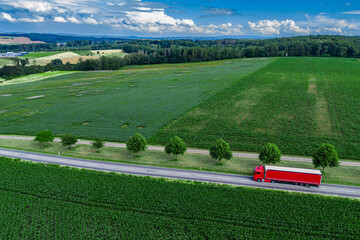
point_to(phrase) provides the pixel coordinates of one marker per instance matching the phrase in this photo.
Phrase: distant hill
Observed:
(59, 38)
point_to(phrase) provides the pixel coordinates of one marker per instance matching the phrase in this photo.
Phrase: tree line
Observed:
(325, 156)
(183, 51)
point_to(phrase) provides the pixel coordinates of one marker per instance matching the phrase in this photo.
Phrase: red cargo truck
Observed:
(286, 174)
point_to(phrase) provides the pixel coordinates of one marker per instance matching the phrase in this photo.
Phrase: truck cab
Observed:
(259, 173)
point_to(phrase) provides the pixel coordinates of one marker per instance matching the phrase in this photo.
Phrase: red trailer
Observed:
(286, 174)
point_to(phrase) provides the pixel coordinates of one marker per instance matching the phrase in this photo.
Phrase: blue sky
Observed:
(166, 18)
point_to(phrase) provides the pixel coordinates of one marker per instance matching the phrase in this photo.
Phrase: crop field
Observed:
(42, 201)
(297, 103)
(115, 104)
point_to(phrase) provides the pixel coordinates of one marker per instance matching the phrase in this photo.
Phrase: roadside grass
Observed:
(297, 103)
(238, 165)
(116, 104)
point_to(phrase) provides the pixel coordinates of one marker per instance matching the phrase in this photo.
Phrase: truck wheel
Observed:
(259, 180)
(307, 185)
(272, 181)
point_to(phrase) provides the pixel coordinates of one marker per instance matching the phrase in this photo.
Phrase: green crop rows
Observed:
(115, 104)
(39, 201)
(297, 103)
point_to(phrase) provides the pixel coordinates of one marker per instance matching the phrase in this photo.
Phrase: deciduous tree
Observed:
(175, 146)
(270, 154)
(220, 150)
(326, 156)
(44, 137)
(136, 144)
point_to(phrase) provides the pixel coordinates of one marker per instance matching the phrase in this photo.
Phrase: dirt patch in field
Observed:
(3, 111)
(81, 84)
(246, 100)
(312, 85)
(6, 95)
(322, 114)
(18, 40)
(35, 97)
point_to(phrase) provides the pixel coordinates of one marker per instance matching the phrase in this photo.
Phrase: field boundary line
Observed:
(189, 150)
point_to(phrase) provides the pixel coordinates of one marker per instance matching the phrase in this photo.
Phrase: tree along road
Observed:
(202, 176)
(189, 150)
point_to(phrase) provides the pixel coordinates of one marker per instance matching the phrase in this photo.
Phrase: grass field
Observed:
(35, 77)
(5, 61)
(42, 201)
(115, 104)
(40, 54)
(297, 103)
(347, 175)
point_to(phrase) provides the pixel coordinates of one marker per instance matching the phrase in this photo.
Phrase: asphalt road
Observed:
(232, 179)
(190, 150)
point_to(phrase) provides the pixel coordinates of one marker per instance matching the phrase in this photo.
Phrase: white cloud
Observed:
(32, 6)
(60, 20)
(7, 17)
(335, 30)
(90, 20)
(355, 12)
(73, 20)
(324, 24)
(275, 27)
(32, 20)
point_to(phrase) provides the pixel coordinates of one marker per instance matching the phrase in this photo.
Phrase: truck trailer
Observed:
(286, 174)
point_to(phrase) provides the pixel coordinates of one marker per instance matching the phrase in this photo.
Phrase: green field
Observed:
(40, 54)
(42, 201)
(6, 61)
(346, 175)
(297, 103)
(115, 104)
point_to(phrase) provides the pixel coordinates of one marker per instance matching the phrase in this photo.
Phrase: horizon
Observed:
(168, 19)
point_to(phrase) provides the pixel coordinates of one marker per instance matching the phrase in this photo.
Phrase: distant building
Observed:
(12, 54)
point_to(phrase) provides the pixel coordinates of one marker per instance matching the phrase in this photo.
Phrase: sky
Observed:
(182, 18)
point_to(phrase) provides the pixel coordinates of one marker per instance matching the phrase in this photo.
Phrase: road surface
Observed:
(232, 179)
(189, 150)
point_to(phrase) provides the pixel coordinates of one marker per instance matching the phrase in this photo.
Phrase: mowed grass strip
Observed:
(297, 103)
(42, 201)
(116, 104)
(347, 175)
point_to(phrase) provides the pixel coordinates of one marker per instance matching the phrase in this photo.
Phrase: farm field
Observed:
(346, 175)
(115, 104)
(297, 103)
(108, 53)
(5, 61)
(40, 54)
(77, 204)
(16, 40)
(43, 58)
